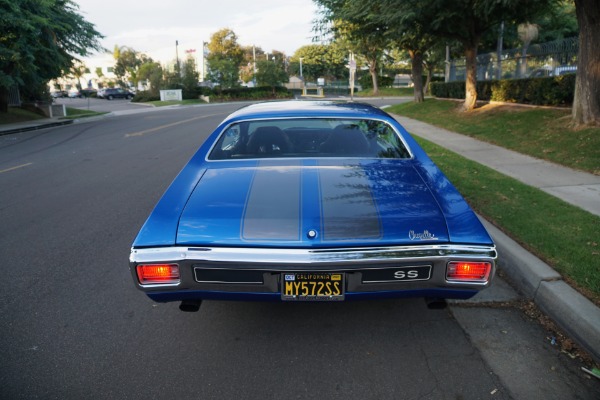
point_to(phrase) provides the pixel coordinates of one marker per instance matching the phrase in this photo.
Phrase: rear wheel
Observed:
(110, 97)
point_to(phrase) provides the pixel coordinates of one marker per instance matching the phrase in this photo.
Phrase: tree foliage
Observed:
(357, 23)
(189, 74)
(408, 30)
(127, 64)
(39, 41)
(320, 61)
(270, 73)
(467, 21)
(225, 58)
(152, 72)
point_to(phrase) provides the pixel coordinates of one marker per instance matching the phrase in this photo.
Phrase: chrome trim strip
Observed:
(231, 283)
(308, 256)
(159, 285)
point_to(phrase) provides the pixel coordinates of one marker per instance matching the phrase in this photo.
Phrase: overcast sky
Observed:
(153, 26)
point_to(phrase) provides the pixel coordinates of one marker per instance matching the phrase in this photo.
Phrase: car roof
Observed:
(304, 108)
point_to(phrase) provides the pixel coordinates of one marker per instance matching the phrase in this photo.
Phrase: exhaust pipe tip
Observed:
(190, 305)
(435, 303)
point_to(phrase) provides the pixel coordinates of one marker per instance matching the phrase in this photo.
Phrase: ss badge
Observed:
(406, 274)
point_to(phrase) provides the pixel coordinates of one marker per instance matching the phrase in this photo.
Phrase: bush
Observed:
(547, 91)
(196, 92)
(144, 96)
(257, 93)
(366, 81)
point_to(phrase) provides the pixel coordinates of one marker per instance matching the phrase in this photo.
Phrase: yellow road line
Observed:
(142, 133)
(13, 168)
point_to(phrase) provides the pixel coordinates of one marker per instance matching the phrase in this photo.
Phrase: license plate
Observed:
(312, 286)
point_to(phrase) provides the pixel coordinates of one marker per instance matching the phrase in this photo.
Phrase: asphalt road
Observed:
(74, 327)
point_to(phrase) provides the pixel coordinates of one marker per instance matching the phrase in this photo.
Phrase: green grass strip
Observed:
(383, 92)
(76, 113)
(16, 115)
(175, 102)
(564, 236)
(539, 132)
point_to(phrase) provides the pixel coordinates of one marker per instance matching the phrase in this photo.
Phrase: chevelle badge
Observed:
(425, 235)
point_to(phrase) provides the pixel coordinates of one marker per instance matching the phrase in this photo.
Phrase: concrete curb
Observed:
(34, 127)
(574, 313)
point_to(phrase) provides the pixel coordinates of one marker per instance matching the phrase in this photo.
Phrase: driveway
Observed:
(100, 105)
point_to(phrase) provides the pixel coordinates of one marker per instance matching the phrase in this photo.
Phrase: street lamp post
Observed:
(301, 58)
(177, 56)
(204, 54)
(254, 65)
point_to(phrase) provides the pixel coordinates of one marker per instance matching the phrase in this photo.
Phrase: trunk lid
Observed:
(311, 203)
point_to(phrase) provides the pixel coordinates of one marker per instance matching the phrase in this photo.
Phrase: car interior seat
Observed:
(346, 140)
(268, 140)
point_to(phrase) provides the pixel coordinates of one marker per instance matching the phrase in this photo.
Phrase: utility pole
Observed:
(177, 57)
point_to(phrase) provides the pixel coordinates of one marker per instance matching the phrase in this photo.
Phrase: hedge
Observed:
(547, 91)
(366, 81)
(258, 93)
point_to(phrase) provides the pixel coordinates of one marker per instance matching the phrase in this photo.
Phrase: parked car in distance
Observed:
(59, 94)
(117, 93)
(549, 71)
(87, 93)
(311, 201)
(565, 69)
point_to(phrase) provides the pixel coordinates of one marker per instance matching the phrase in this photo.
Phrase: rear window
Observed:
(318, 137)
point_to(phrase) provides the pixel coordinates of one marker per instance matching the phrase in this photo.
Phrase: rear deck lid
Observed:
(311, 203)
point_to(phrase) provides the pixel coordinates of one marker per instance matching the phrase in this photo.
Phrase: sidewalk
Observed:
(573, 312)
(574, 187)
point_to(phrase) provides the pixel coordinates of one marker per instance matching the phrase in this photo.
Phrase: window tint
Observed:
(316, 137)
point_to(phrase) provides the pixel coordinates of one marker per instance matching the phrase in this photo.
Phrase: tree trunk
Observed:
(416, 58)
(428, 81)
(586, 104)
(471, 78)
(373, 71)
(3, 99)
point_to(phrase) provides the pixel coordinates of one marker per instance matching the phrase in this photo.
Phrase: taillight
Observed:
(468, 271)
(149, 274)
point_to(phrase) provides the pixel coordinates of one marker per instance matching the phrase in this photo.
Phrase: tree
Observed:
(39, 41)
(586, 104)
(360, 27)
(127, 64)
(77, 71)
(225, 58)
(558, 22)
(320, 61)
(408, 30)
(251, 55)
(270, 73)
(152, 72)
(190, 74)
(468, 20)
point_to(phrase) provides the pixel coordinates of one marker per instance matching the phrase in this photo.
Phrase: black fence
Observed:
(546, 59)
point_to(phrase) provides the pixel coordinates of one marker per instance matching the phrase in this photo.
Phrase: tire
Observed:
(110, 97)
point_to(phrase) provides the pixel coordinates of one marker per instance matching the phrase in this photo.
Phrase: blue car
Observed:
(311, 201)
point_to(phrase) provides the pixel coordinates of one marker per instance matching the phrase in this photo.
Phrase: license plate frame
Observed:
(313, 286)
